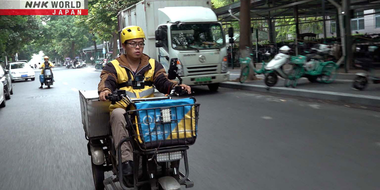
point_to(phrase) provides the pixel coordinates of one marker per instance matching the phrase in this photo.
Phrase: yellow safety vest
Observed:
(122, 77)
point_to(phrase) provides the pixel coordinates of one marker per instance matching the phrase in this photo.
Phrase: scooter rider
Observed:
(44, 64)
(127, 70)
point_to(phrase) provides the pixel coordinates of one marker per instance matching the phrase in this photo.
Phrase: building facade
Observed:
(367, 21)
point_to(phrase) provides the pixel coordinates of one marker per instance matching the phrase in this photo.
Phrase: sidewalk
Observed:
(340, 90)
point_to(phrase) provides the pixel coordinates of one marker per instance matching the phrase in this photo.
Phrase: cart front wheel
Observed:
(271, 79)
(98, 175)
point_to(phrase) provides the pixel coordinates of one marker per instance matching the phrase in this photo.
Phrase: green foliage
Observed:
(15, 33)
(102, 17)
(287, 26)
(63, 36)
(221, 3)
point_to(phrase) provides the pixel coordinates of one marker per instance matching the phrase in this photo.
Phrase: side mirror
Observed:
(159, 34)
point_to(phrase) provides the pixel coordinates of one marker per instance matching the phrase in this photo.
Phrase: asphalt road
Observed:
(246, 140)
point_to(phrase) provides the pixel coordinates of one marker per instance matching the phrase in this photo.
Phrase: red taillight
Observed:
(225, 59)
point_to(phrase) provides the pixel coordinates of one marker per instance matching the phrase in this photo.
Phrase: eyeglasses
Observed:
(135, 44)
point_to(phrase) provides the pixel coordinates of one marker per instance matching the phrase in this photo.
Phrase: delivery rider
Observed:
(136, 73)
(46, 64)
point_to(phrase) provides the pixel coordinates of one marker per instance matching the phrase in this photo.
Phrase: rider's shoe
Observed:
(128, 168)
(40, 86)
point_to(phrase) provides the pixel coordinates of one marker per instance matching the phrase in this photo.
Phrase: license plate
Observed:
(24, 76)
(203, 79)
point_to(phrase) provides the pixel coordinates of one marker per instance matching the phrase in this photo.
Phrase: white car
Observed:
(5, 78)
(2, 92)
(21, 71)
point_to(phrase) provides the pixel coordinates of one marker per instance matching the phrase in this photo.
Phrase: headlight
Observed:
(224, 65)
(176, 65)
(169, 156)
(180, 70)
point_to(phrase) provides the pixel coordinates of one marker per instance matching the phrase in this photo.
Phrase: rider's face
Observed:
(134, 48)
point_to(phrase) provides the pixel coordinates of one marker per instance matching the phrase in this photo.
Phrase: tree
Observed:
(245, 43)
(102, 19)
(63, 36)
(15, 33)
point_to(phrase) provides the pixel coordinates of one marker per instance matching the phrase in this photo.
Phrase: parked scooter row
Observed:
(312, 66)
(76, 64)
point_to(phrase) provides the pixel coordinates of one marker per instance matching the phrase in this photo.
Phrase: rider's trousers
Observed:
(119, 132)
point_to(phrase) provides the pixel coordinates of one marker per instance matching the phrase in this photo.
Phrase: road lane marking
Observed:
(65, 83)
(74, 89)
(267, 117)
(315, 106)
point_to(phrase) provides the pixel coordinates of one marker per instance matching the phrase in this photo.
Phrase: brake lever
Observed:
(178, 91)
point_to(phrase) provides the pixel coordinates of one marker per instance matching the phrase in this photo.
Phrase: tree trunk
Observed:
(245, 43)
(72, 51)
(114, 45)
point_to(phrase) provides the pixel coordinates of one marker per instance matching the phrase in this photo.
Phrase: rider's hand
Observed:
(186, 87)
(103, 95)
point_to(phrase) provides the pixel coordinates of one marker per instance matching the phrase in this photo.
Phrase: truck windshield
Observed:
(197, 36)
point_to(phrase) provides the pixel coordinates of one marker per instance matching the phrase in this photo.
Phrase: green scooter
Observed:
(314, 70)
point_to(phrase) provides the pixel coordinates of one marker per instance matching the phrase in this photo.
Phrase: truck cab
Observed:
(185, 37)
(196, 51)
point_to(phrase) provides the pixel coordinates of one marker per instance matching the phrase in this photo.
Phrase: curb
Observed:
(372, 101)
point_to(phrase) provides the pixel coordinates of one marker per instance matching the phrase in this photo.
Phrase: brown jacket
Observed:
(109, 75)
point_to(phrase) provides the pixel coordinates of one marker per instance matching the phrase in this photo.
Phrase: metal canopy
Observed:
(265, 9)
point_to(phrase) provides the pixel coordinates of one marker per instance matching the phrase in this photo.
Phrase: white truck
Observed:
(184, 36)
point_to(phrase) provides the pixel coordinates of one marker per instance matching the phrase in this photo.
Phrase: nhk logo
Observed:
(54, 4)
(47, 7)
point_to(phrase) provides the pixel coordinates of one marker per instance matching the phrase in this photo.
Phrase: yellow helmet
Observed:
(131, 32)
(46, 57)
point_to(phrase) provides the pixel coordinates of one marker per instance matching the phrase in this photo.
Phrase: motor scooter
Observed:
(312, 66)
(276, 65)
(161, 130)
(361, 80)
(47, 77)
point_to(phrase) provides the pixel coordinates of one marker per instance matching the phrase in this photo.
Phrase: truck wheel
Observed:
(98, 175)
(360, 83)
(271, 79)
(213, 87)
